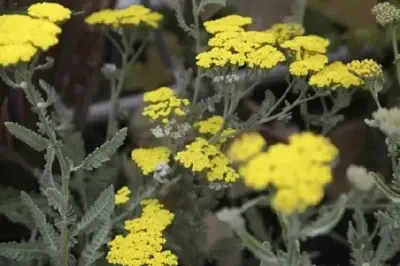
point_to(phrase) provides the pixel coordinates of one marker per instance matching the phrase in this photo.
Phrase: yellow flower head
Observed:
(365, 69)
(309, 43)
(286, 31)
(241, 42)
(228, 23)
(265, 57)
(149, 159)
(216, 57)
(122, 195)
(201, 156)
(144, 241)
(134, 15)
(21, 37)
(300, 169)
(158, 95)
(212, 125)
(308, 65)
(15, 53)
(164, 104)
(333, 76)
(246, 146)
(53, 12)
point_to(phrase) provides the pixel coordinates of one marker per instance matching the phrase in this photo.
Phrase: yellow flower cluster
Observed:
(231, 45)
(201, 156)
(286, 31)
(308, 65)
(212, 125)
(149, 159)
(307, 44)
(333, 76)
(144, 241)
(23, 36)
(365, 69)
(241, 42)
(245, 147)
(265, 57)
(134, 15)
(163, 104)
(298, 171)
(50, 11)
(228, 23)
(122, 195)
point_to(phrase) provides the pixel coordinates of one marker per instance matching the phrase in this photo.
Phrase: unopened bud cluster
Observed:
(386, 13)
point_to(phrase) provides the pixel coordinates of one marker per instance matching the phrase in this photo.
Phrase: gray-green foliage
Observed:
(59, 221)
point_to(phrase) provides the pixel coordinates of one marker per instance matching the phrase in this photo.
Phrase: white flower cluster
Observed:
(387, 120)
(171, 129)
(231, 78)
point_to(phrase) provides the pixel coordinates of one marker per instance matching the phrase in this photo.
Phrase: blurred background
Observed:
(77, 76)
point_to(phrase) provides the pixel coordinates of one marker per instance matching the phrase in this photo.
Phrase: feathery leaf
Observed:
(46, 230)
(102, 207)
(22, 251)
(27, 136)
(103, 153)
(90, 253)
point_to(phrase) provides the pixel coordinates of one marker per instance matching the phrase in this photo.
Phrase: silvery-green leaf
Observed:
(389, 193)
(327, 221)
(91, 252)
(22, 251)
(27, 136)
(102, 207)
(103, 153)
(46, 230)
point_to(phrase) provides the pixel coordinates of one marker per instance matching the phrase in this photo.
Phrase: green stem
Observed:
(65, 168)
(198, 50)
(396, 51)
(116, 87)
(227, 110)
(376, 99)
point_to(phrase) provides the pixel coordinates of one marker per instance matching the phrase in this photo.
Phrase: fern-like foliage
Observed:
(22, 251)
(102, 207)
(103, 153)
(29, 137)
(47, 231)
(90, 253)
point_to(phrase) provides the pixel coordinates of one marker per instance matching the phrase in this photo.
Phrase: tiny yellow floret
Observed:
(122, 195)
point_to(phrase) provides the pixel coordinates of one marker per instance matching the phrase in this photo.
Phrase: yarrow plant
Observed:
(202, 146)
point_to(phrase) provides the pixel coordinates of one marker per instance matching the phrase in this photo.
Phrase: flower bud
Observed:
(386, 13)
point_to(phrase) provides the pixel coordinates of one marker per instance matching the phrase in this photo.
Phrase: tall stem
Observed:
(65, 168)
(198, 49)
(396, 52)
